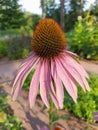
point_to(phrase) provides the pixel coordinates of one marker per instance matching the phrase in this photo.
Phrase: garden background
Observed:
(16, 30)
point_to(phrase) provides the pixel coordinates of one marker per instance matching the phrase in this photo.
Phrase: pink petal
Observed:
(17, 85)
(34, 85)
(50, 87)
(24, 68)
(26, 61)
(73, 72)
(67, 81)
(80, 71)
(76, 65)
(58, 85)
(53, 67)
(59, 91)
(43, 84)
(71, 53)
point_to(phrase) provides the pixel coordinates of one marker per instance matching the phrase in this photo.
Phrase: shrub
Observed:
(3, 48)
(19, 47)
(7, 120)
(83, 40)
(87, 102)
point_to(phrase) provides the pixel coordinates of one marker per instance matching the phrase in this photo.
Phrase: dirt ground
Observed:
(36, 118)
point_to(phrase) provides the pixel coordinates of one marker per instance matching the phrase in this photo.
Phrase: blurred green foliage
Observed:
(19, 47)
(87, 101)
(7, 120)
(31, 20)
(83, 40)
(11, 15)
(3, 48)
(27, 82)
(9, 33)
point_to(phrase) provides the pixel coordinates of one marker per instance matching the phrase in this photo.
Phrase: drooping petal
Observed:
(53, 67)
(68, 83)
(43, 84)
(71, 53)
(22, 68)
(34, 85)
(17, 85)
(73, 72)
(77, 65)
(49, 84)
(58, 85)
(59, 91)
(80, 71)
(26, 61)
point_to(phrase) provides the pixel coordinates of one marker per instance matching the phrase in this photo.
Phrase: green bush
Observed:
(87, 102)
(19, 47)
(83, 40)
(3, 48)
(7, 120)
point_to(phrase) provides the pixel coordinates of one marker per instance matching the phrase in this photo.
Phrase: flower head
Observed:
(48, 39)
(55, 67)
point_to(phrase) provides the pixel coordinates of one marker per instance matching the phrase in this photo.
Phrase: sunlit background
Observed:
(34, 5)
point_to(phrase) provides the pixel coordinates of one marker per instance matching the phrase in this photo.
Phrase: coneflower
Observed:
(55, 67)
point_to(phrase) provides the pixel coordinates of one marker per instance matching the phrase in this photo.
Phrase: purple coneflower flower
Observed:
(95, 116)
(55, 67)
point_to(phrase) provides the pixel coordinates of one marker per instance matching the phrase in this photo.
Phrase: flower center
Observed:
(48, 39)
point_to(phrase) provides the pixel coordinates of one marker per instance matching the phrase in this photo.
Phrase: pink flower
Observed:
(95, 116)
(54, 65)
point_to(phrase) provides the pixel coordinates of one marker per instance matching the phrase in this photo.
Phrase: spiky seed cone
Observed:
(48, 39)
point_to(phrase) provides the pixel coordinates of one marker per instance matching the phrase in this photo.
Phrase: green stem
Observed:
(50, 115)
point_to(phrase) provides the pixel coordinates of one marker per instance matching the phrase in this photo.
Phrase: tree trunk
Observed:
(81, 7)
(96, 2)
(43, 9)
(62, 2)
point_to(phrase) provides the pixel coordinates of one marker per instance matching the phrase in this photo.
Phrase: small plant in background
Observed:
(83, 40)
(7, 120)
(19, 47)
(87, 102)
